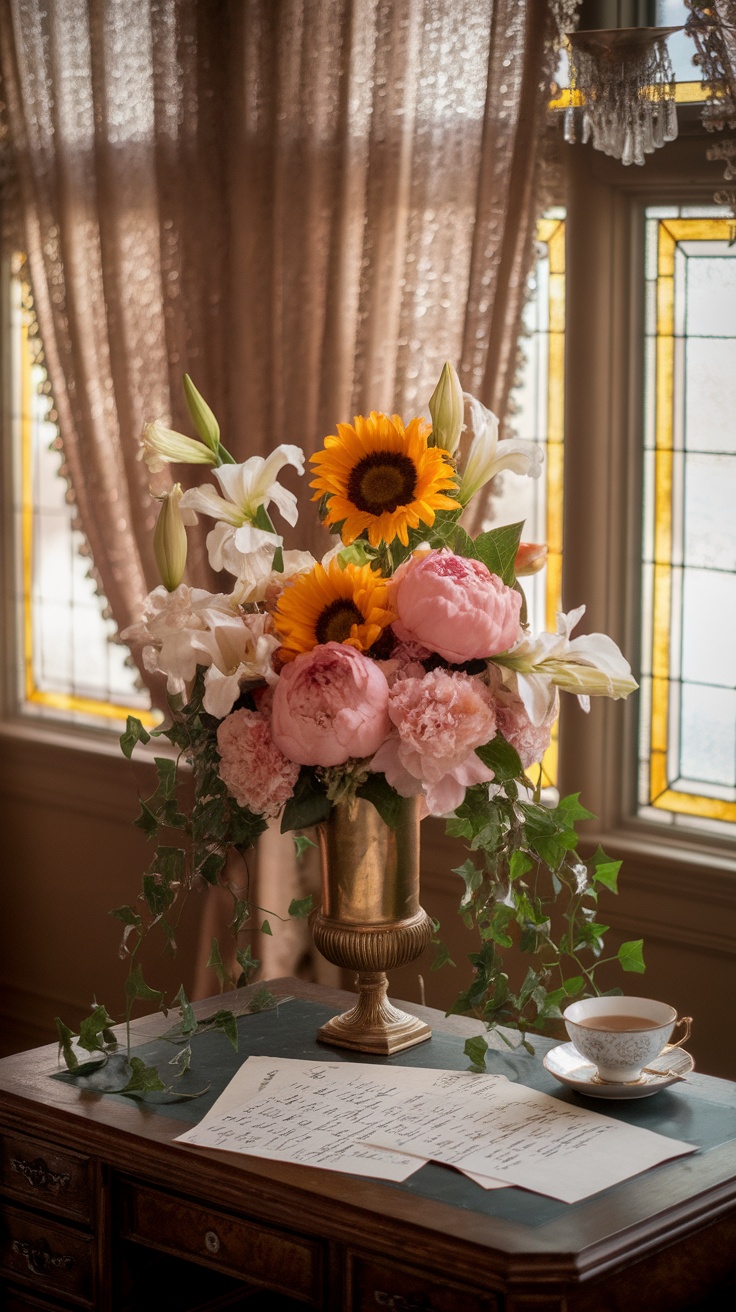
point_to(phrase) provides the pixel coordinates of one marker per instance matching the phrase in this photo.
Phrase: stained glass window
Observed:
(69, 665)
(538, 414)
(687, 773)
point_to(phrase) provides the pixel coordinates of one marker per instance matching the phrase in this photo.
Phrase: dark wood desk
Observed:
(101, 1210)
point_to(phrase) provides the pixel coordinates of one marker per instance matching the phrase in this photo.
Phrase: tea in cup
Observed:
(622, 1035)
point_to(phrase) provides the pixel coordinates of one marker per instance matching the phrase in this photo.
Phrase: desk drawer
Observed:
(382, 1287)
(231, 1244)
(47, 1256)
(35, 1172)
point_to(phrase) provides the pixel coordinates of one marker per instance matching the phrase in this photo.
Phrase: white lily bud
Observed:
(170, 540)
(447, 409)
(202, 417)
(162, 446)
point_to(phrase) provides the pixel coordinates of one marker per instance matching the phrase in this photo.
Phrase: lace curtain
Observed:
(308, 205)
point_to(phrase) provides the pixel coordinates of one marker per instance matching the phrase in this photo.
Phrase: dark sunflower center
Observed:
(337, 619)
(382, 481)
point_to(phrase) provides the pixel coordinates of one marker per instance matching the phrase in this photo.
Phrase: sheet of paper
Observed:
(317, 1113)
(513, 1133)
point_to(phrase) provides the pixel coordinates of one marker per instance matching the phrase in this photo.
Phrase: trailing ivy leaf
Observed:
(93, 1029)
(143, 1079)
(133, 733)
(182, 1059)
(215, 962)
(188, 1021)
(605, 871)
(302, 844)
(519, 864)
(385, 799)
(158, 895)
(571, 809)
(300, 908)
(227, 1023)
(475, 1050)
(128, 916)
(241, 914)
(631, 956)
(248, 965)
(66, 1048)
(166, 771)
(146, 820)
(501, 758)
(497, 549)
(211, 866)
(441, 957)
(136, 987)
(307, 805)
(472, 877)
(263, 1000)
(266, 929)
(358, 553)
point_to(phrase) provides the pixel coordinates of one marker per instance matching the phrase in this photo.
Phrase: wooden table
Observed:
(101, 1209)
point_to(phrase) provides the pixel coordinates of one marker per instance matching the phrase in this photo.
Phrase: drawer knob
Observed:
(40, 1259)
(212, 1242)
(38, 1175)
(398, 1303)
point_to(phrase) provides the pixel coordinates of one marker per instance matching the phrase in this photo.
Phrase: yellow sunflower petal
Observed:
(381, 478)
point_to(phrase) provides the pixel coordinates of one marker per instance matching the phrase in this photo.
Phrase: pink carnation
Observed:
(455, 607)
(530, 740)
(251, 766)
(330, 704)
(440, 719)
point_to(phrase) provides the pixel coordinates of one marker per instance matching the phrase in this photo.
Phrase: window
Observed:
(687, 746)
(68, 662)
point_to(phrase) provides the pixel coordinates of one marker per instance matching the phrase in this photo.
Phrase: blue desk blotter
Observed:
(290, 1029)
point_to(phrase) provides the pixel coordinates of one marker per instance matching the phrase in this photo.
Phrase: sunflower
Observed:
(347, 605)
(381, 477)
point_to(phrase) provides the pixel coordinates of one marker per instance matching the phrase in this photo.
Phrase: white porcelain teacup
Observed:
(622, 1035)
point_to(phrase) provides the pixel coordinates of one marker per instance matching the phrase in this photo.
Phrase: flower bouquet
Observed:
(400, 665)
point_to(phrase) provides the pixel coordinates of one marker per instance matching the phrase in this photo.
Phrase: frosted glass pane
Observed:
(710, 499)
(711, 296)
(708, 735)
(709, 627)
(710, 394)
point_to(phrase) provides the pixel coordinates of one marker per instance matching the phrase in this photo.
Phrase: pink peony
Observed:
(530, 740)
(251, 766)
(440, 719)
(455, 607)
(330, 704)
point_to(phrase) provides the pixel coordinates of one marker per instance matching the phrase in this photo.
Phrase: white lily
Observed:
(257, 578)
(589, 666)
(190, 627)
(160, 446)
(247, 488)
(488, 456)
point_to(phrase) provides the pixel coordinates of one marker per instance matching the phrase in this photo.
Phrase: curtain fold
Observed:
(308, 205)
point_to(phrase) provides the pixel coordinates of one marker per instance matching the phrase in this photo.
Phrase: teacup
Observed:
(622, 1035)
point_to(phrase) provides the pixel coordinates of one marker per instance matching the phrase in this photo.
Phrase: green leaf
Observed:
(358, 553)
(472, 877)
(385, 799)
(307, 805)
(501, 758)
(215, 962)
(241, 914)
(441, 957)
(266, 929)
(302, 844)
(631, 957)
(571, 809)
(146, 821)
(475, 1049)
(605, 871)
(144, 1079)
(166, 771)
(497, 549)
(136, 987)
(248, 964)
(211, 867)
(127, 915)
(263, 1000)
(133, 733)
(463, 544)
(227, 1023)
(188, 1018)
(93, 1029)
(300, 908)
(519, 864)
(66, 1048)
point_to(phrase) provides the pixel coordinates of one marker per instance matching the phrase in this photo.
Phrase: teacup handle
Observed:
(687, 1022)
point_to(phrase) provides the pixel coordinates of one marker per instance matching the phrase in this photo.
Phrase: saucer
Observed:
(567, 1066)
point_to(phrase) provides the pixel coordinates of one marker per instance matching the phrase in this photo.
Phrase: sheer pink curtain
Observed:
(308, 205)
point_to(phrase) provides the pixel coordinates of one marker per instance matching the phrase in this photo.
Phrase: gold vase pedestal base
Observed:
(374, 1024)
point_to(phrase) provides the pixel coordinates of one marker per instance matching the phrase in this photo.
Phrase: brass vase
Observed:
(370, 920)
